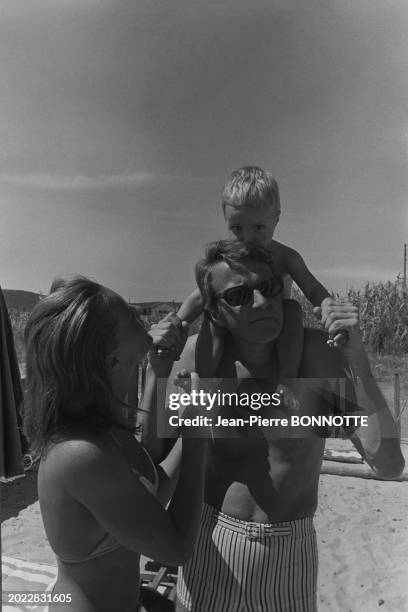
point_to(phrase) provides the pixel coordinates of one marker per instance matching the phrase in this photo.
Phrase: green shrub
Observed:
(383, 316)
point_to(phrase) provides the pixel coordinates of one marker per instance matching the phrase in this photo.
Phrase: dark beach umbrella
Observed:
(11, 457)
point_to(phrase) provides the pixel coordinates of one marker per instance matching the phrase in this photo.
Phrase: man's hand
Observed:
(337, 316)
(289, 397)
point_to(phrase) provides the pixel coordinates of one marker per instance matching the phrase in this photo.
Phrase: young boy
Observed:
(251, 207)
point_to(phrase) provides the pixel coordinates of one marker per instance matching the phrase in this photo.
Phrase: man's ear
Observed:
(278, 216)
(215, 316)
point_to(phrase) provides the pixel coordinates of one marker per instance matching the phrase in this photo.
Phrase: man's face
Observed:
(261, 319)
(252, 223)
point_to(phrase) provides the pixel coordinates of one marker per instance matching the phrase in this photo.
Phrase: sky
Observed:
(120, 121)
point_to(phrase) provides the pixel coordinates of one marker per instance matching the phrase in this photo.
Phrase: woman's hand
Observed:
(196, 412)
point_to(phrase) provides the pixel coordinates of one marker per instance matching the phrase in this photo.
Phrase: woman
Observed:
(100, 494)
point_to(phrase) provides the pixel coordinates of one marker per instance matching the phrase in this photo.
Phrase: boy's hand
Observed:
(338, 335)
(342, 316)
(169, 337)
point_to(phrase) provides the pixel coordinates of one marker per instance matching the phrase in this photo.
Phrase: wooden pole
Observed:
(359, 471)
(397, 402)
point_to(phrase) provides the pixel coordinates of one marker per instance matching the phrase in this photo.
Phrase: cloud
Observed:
(59, 182)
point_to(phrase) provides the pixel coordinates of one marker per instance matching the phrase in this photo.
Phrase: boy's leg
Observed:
(287, 287)
(209, 348)
(289, 346)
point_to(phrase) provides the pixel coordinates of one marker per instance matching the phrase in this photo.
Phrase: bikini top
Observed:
(152, 487)
(108, 543)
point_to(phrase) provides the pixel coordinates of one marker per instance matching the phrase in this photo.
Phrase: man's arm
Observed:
(378, 442)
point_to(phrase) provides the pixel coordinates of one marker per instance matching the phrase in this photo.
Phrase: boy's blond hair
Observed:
(250, 186)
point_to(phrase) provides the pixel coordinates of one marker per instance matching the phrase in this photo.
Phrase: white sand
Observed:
(362, 533)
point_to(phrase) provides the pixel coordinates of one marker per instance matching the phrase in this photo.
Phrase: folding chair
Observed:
(158, 587)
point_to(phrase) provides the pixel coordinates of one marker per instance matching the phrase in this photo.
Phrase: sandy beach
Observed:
(362, 534)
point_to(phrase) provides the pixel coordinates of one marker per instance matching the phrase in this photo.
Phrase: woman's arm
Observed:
(154, 395)
(153, 405)
(99, 478)
(169, 468)
(168, 471)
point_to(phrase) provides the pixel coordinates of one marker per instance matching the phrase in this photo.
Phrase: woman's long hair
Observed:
(68, 336)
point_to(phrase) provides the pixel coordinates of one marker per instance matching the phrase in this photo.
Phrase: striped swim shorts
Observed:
(250, 567)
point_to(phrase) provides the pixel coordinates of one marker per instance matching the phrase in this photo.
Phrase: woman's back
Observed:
(91, 560)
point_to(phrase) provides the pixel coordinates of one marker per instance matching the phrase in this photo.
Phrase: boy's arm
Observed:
(192, 307)
(310, 286)
(378, 441)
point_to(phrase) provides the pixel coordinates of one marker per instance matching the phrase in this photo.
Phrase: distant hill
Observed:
(16, 298)
(141, 305)
(25, 300)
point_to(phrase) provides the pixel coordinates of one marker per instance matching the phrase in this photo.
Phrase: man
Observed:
(257, 547)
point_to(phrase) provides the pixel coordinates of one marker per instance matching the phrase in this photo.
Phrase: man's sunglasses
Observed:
(243, 294)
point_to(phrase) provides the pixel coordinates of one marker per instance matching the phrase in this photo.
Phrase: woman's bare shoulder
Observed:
(68, 456)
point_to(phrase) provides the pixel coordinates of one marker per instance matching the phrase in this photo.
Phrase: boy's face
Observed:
(252, 223)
